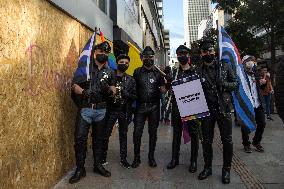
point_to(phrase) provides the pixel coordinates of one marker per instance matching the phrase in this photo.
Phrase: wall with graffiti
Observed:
(39, 48)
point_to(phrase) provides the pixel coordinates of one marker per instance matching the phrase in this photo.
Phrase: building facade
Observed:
(194, 12)
(139, 22)
(201, 28)
(217, 14)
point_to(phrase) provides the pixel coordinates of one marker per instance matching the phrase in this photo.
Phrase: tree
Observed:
(258, 15)
(246, 42)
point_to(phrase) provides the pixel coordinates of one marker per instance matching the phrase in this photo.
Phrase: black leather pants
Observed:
(81, 137)
(224, 122)
(111, 118)
(177, 135)
(151, 112)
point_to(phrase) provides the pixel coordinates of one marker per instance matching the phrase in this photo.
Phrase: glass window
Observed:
(102, 4)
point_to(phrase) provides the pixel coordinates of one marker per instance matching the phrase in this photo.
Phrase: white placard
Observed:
(190, 98)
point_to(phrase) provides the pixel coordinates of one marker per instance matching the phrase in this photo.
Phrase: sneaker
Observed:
(247, 149)
(258, 148)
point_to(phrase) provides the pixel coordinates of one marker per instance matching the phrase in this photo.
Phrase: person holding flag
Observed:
(253, 80)
(184, 70)
(93, 82)
(149, 84)
(218, 81)
(118, 108)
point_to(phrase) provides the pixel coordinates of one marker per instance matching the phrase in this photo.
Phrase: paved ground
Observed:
(256, 170)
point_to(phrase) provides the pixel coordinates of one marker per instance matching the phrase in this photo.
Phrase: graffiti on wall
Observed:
(49, 79)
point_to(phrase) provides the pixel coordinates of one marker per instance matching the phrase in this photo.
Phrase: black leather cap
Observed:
(104, 46)
(122, 56)
(182, 49)
(148, 51)
(207, 45)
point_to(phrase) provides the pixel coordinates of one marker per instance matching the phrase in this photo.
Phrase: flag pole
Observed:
(218, 45)
(92, 61)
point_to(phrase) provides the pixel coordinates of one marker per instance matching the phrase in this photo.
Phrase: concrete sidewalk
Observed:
(255, 170)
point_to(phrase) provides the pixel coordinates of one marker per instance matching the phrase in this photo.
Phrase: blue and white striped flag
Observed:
(82, 73)
(242, 98)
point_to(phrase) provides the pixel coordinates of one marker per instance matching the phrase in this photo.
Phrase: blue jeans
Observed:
(92, 115)
(267, 99)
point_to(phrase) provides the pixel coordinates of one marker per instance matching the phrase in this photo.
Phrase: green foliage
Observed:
(256, 15)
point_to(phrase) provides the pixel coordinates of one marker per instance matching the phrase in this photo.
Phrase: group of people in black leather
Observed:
(111, 94)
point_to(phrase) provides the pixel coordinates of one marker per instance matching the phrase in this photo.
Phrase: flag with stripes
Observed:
(242, 98)
(82, 73)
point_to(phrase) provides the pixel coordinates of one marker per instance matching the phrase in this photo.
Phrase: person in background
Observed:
(266, 90)
(279, 89)
(167, 104)
(253, 80)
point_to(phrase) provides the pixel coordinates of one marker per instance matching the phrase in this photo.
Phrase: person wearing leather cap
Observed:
(118, 108)
(92, 109)
(184, 70)
(218, 81)
(149, 84)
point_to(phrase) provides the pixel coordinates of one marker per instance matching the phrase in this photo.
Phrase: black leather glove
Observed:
(104, 85)
(87, 93)
(169, 77)
(125, 94)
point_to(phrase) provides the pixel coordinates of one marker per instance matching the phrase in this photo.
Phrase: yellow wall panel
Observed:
(39, 48)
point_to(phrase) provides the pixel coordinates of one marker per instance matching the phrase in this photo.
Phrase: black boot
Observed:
(226, 175)
(175, 151)
(98, 168)
(194, 152)
(79, 173)
(205, 173)
(193, 167)
(173, 163)
(124, 163)
(152, 162)
(152, 146)
(136, 162)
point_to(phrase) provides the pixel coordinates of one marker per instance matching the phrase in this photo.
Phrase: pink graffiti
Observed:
(50, 79)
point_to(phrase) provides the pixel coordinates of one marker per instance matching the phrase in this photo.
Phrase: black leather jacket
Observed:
(218, 90)
(99, 92)
(128, 93)
(148, 83)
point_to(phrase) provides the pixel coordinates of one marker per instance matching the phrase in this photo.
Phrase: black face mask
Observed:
(101, 58)
(208, 58)
(122, 67)
(183, 60)
(148, 62)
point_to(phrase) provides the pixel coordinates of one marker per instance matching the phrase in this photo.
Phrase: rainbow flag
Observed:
(112, 61)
